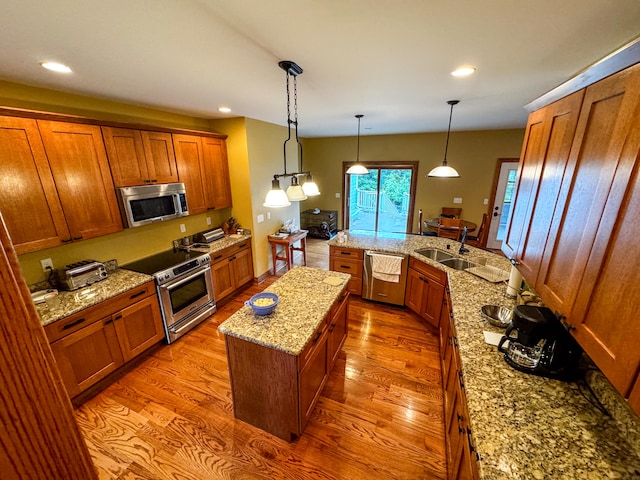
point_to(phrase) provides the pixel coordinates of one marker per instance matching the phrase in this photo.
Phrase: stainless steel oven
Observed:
(185, 289)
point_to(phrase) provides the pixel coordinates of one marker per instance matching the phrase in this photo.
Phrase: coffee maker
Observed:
(539, 344)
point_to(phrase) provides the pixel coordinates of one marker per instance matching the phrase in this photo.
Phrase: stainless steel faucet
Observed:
(462, 240)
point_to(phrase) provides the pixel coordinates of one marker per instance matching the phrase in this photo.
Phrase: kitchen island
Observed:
(279, 363)
(522, 426)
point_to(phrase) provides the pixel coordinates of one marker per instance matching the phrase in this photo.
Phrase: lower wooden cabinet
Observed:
(461, 459)
(348, 260)
(425, 291)
(277, 391)
(231, 268)
(95, 342)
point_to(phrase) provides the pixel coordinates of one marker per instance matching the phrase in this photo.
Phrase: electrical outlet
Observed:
(485, 201)
(457, 200)
(183, 228)
(46, 264)
(208, 220)
(337, 194)
(268, 215)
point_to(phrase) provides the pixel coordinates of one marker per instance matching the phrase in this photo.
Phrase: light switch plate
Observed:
(338, 195)
(485, 201)
(183, 228)
(260, 218)
(208, 220)
(457, 200)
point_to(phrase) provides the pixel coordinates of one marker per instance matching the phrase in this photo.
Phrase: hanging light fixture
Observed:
(444, 170)
(358, 168)
(277, 198)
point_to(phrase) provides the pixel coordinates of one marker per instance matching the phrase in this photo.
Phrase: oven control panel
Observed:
(183, 269)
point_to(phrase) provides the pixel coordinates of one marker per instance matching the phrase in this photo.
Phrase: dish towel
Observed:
(386, 267)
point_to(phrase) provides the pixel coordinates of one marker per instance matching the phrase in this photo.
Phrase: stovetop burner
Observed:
(162, 261)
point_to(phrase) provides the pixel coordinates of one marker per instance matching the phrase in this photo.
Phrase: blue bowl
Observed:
(257, 309)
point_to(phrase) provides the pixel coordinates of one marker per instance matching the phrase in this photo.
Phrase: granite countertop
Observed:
(68, 303)
(305, 300)
(222, 243)
(523, 426)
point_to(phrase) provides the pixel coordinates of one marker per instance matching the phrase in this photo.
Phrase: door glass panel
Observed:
(506, 204)
(379, 201)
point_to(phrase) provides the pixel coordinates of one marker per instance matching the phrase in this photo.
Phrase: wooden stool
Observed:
(289, 248)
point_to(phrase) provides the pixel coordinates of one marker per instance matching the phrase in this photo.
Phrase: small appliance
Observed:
(539, 344)
(146, 204)
(79, 274)
(209, 236)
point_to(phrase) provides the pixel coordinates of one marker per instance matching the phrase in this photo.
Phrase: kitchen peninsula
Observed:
(279, 363)
(519, 425)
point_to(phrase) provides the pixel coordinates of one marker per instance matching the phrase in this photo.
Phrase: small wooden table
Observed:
(432, 223)
(288, 244)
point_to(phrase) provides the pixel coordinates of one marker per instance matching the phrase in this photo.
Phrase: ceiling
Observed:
(389, 60)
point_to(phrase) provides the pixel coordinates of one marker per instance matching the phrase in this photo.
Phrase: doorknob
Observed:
(495, 214)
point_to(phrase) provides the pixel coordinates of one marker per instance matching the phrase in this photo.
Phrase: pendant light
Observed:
(444, 170)
(358, 168)
(276, 197)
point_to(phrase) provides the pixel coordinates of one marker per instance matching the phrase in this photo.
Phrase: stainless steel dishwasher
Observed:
(380, 290)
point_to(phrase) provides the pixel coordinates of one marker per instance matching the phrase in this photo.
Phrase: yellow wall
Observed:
(474, 154)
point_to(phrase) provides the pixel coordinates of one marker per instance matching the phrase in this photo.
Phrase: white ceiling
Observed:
(387, 59)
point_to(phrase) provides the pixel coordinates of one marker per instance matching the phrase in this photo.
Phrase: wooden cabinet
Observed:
(29, 200)
(204, 170)
(348, 260)
(139, 157)
(231, 268)
(338, 328)
(95, 342)
(548, 138)
(588, 268)
(461, 460)
(425, 290)
(82, 177)
(282, 402)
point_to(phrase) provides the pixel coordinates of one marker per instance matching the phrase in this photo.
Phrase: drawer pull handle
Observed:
(73, 324)
(242, 246)
(78, 238)
(67, 240)
(345, 266)
(217, 257)
(117, 317)
(107, 322)
(142, 292)
(317, 336)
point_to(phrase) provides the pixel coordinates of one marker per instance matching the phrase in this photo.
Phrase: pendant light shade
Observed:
(444, 170)
(277, 198)
(358, 168)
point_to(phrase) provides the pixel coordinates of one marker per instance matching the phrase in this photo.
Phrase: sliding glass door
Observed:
(381, 201)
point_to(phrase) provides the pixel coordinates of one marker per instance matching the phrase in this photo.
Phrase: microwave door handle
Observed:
(180, 281)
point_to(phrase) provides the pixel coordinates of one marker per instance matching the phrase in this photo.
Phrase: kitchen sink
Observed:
(434, 254)
(457, 263)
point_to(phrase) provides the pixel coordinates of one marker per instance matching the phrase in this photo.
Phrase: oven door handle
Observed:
(180, 281)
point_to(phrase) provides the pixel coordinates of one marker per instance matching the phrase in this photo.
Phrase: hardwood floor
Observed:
(380, 414)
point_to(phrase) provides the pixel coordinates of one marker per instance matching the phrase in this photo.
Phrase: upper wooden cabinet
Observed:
(139, 157)
(204, 170)
(29, 201)
(81, 173)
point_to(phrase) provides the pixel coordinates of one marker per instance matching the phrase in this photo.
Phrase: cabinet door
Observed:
(559, 125)
(242, 267)
(413, 297)
(312, 378)
(223, 283)
(605, 312)
(29, 201)
(188, 151)
(87, 355)
(337, 331)
(125, 151)
(606, 118)
(215, 173)
(160, 157)
(433, 294)
(139, 326)
(80, 169)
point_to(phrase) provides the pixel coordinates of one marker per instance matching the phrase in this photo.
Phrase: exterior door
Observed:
(382, 200)
(502, 204)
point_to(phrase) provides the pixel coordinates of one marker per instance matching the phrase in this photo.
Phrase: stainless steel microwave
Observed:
(152, 203)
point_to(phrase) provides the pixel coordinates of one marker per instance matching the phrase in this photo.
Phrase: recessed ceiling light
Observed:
(463, 71)
(224, 109)
(56, 67)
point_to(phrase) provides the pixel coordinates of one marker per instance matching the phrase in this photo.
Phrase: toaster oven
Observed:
(80, 274)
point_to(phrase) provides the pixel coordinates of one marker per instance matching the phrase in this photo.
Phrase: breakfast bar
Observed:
(279, 363)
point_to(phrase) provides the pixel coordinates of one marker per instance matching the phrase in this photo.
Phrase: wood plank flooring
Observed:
(379, 417)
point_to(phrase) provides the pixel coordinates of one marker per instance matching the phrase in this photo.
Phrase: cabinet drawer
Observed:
(310, 348)
(352, 253)
(87, 316)
(227, 252)
(347, 265)
(433, 273)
